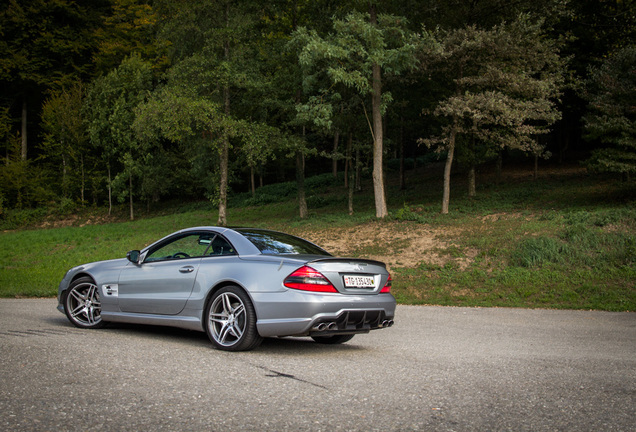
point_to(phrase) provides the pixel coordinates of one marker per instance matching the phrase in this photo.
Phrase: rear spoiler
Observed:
(349, 260)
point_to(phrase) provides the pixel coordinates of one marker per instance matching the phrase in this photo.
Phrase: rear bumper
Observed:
(300, 314)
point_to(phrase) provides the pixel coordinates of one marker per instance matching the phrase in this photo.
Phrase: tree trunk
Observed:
(350, 189)
(110, 191)
(349, 172)
(472, 189)
(252, 183)
(447, 169)
(130, 195)
(376, 102)
(564, 142)
(83, 185)
(225, 145)
(334, 162)
(348, 166)
(300, 182)
(64, 177)
(357, 165)
(224, 157)
(402, 173)
(23, 152)
(499, 165)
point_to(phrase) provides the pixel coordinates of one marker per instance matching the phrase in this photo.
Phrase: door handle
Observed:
(186, 269)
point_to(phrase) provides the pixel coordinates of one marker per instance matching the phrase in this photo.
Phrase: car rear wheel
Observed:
(332, 340)
(230, 320)
(82, 304)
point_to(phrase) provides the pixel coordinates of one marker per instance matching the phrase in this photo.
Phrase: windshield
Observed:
(276, 243)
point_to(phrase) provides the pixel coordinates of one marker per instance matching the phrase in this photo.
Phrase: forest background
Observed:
(142, 105)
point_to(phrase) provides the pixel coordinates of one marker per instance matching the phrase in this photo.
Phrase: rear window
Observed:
(276, 243)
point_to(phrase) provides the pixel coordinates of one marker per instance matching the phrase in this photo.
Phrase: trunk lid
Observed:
(353, 275)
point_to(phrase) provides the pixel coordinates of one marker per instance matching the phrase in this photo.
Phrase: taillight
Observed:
(387, 286)
(308, 279)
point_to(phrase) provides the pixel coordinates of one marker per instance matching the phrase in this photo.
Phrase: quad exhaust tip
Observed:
(332, 326)
(386, 323)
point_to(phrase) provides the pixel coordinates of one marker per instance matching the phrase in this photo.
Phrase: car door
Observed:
(162, 282)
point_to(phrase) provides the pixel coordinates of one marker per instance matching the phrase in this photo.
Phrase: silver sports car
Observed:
(237, 285)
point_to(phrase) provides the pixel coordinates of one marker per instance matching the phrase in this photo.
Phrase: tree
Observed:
(212, 40)
(258, 143)
(503, 93)
(110, 110)
(195, 122)
(65, 137)
(129, 28)
(362, 47)
(5, 130)
(46, 44)
(597, 29)
(276, 102)
(611, 119)
(457, 14)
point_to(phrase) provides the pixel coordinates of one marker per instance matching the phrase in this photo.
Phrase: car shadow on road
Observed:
(299, 345)
(285, 346)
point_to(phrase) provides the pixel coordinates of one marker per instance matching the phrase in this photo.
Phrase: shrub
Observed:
(407, 214)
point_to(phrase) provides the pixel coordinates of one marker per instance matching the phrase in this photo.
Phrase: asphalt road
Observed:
(437, 369)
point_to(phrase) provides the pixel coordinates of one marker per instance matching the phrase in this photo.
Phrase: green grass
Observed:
(563, 241)
(532, 256)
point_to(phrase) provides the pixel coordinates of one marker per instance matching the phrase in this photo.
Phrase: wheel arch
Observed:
(222, 285)
(248, 337)
(81, 275)
(76, 277)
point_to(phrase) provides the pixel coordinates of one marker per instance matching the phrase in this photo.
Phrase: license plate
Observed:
(352, 281)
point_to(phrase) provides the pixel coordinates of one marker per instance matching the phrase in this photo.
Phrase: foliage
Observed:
(610, 92)
(21, 182)
(195, 123)
(503, 88)
(45, 43)
(597, 29)
(282, 192)
(290, 81)
(128, 30)
(347, 55)
(362, 48)
(65, 142)
(506, 84)
(406, 213)
(110, 110)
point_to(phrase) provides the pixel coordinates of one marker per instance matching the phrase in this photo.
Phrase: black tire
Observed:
(82, 304)
(230, 320)
(333, 340)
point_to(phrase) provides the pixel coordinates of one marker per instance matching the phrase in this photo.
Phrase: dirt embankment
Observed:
(398, 244)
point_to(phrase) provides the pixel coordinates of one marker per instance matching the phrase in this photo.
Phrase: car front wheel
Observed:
(82, 304)
(230, 320)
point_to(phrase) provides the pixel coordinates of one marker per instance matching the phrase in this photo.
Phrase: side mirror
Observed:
(133, 256)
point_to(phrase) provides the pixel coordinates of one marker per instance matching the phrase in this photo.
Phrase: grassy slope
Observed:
(566, 240)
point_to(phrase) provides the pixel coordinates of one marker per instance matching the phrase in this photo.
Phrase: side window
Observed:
(220, 246)
(191, 245)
